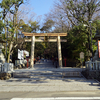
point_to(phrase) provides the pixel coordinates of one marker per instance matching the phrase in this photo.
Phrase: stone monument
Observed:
(6, 69)
(2, 59)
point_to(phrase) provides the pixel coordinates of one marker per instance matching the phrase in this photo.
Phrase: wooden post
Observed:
(32, 52)
(59, 52)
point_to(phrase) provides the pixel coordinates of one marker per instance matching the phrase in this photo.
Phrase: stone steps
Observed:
(46, 74)
(72, 74)
(32, 75)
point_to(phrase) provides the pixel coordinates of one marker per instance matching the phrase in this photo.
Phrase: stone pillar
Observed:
(59, 52)
(32, 52)
(96, 65)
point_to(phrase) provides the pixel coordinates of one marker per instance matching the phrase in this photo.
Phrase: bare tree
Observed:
(79, 11)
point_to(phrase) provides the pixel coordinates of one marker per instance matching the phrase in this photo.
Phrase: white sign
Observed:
(19, 54)
(22, 54)
(26, 53)
(82, 55)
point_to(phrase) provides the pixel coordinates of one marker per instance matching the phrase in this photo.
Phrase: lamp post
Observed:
(6, 38)
(91, 37)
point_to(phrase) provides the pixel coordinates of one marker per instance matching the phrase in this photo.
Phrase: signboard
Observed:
(19, 54)
(99, 47)
(22, 54)
(26, 53)
(82, 55)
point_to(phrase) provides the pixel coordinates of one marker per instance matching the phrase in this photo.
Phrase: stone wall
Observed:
(93, 74)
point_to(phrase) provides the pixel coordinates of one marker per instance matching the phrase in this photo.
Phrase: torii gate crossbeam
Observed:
(45, 34)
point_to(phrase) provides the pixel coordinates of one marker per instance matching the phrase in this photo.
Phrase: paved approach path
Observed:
(47, 82)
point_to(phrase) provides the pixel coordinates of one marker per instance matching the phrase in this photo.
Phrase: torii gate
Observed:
(33, 40)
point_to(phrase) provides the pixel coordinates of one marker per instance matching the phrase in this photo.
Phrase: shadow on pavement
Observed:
(44, 72)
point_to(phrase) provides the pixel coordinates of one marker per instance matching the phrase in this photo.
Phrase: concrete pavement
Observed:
(53, 95)
(47, 83)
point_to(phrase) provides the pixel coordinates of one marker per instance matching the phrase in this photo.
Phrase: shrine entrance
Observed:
(33, 40)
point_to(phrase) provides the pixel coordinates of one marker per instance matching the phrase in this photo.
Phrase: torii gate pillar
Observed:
(32, 51)
(59, 52)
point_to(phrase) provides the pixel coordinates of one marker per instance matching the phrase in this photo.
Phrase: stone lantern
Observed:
(2, 59)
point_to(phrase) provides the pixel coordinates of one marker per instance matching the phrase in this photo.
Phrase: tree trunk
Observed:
(10, 48)
(5, 40)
